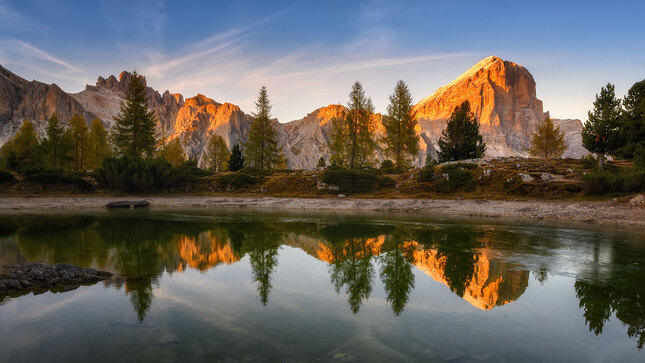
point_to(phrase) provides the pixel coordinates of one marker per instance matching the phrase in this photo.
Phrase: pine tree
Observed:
(351, 142)
(632, 126)
(262, 150)
(461, 139)
(98, 145)
(321, 163)
(25, 147)
(401, 139)
(55, 145)
(236, 161)
(173, 153)
(548, 141)
(133, 133)
(600, 132)
(217, 154)
(79, 136)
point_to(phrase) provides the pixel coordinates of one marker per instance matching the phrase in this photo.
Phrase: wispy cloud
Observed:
(29, 51)
(10, 19)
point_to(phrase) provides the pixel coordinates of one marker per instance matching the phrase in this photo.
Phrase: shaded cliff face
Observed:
(502, 97)
(22, 100)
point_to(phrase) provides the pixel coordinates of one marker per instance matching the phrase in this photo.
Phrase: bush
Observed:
(135, 174)
(6, 176)
(427, 174)
(608, 182)
(238, 180)
(387, 165)
(187, 173)
(355, 181)
(457, 178)
(58, 178)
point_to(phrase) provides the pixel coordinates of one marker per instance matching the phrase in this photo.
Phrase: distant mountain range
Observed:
(501, 93)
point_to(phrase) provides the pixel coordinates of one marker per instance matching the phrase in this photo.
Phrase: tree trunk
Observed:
(601, 161)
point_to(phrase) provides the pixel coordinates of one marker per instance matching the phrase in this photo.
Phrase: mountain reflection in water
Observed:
(486, 266)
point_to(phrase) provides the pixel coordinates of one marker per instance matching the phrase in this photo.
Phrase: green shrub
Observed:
(58, 178)
(355, 181)
(611, 182)
(6, 176)
(134, 174)
(461, 166)
(238, 180)
(427, 174)
(187, 173)
(387, 165)
(457, 178)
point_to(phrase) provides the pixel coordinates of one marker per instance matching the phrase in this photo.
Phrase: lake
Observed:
(247, 286)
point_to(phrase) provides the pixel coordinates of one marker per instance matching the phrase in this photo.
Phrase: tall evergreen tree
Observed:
(236, 161)
(25, 147)
(548, 141)
(262, 150)
(55, 145)
(133, 134)
(461, 139)
(351, 142)
(632, 127)
(79, 134)
(600, 132)
(217, 154)
(401, 139)
(98, 145)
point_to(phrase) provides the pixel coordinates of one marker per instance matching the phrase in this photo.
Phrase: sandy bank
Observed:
(609, 213)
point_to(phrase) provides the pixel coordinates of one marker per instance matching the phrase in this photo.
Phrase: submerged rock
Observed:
(15, 279)
(129, 204)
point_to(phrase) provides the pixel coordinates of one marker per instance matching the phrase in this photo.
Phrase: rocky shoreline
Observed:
(20, 279)
(597, 212)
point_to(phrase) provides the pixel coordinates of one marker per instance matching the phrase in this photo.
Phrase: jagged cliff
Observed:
(501, 93)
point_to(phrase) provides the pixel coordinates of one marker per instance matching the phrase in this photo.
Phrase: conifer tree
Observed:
(236, 161)
(133, 134)
(461, 139)
(25, 147)
(98, 145)
(548, 141)
(401, 139)
(632, 125)
(79, 135)
(600, 132)
(262, 150)
(173, 153)
(351, 142)
(217, 154)
(55, 146)
(321, 163)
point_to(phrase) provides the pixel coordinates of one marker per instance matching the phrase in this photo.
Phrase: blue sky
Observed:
(308, 53)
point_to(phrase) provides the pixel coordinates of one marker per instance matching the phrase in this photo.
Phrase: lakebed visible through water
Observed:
(202, 285)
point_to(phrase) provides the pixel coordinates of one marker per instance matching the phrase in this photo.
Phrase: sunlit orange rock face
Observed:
(205, 251)
(494, 282)
(502, 97)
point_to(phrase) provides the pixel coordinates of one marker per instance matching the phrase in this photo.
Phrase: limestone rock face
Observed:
(34, 101)
(572, 129)
(502, 97)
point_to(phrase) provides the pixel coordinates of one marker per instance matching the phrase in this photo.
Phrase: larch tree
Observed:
(25, 146)
(217, 154)
(401, 139)
(99, 148)
(79, 135)
(461, 139)
(351, 143)
(133, 133)
(173, 153)
(601, 131)
(262, 150)
(548, 141)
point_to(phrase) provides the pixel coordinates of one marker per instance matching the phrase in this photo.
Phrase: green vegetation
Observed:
(6, 176)
(600, 132)
(351, 144)
(262, 150)
(236, 161)
(461, 139)
(458, 175)
(238, 180)
(632, 127)
(355, 180)
(601, 182)
(133, 174)
(548, 141)
(173, 153)
(52, 178)
(216, 155)
(98, 145)
(401, 140)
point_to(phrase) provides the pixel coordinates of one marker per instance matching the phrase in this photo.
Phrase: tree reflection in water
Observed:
(140, 247)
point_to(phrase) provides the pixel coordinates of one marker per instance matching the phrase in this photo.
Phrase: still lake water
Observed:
(255, 287)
